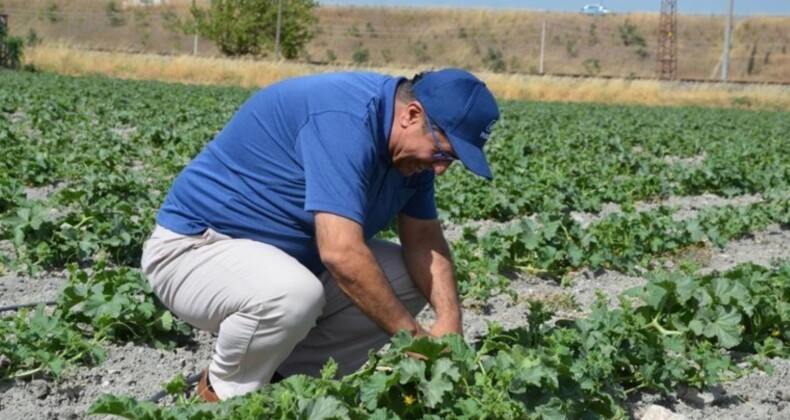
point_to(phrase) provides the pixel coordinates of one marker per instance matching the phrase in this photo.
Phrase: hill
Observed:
(478, 39)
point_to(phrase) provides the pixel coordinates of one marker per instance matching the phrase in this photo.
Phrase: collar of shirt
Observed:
(386, 113)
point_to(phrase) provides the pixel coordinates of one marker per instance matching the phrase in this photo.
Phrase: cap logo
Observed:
(487, 132)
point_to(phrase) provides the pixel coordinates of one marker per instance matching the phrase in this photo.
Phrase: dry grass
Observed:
(477, 39)
(250, 73)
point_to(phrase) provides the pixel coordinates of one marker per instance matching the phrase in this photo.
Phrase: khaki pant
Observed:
(270, 313)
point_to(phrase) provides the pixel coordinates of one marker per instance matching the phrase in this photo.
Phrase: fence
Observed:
(513, 42)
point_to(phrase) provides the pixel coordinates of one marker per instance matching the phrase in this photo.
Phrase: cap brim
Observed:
(472, 157)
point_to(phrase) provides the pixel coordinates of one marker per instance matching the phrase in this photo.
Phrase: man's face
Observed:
(423, 148)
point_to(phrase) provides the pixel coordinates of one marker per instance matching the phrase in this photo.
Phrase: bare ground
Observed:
(139, 371)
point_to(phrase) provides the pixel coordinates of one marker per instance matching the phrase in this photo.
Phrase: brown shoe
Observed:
(204, 389)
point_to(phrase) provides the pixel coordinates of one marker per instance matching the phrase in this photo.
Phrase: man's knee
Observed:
(290, 309)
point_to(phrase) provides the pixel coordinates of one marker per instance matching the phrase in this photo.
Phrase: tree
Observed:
(242, 27)
(11, 49)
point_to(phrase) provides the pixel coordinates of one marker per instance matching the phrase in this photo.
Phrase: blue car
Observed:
(595, 9)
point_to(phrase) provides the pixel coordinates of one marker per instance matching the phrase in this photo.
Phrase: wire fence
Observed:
(619, 46)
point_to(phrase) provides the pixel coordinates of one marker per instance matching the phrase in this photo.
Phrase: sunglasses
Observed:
(441, 154)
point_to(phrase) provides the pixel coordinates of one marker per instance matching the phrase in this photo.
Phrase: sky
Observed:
(707, 7)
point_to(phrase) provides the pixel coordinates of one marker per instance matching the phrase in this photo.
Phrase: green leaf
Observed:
(372, 389)
(326, 408)
(411, 369)
(177, 385)
(443, 373)
(166, 321)
(720, 323)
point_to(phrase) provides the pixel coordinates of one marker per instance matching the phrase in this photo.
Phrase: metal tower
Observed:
(667, 66)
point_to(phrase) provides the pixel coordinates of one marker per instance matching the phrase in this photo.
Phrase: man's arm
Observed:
(430, 266)
(343, 251)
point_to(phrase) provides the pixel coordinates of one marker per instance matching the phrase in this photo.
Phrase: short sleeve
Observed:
(338, 155)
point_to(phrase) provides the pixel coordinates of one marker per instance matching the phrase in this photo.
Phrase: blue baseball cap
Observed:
(463, 107)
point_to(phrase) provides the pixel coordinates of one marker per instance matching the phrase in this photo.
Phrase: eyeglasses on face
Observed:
(441, 154)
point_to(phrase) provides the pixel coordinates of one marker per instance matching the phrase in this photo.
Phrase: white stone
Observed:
(657, 412)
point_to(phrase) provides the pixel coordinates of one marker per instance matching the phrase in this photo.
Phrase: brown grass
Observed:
(257, 73)
(477, 39)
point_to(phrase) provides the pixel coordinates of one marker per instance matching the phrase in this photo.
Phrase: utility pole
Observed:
(667, 64)
(725, 58)
(277, 33)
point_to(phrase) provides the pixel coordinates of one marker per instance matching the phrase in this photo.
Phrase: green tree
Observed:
(11, 49)
(242, 27)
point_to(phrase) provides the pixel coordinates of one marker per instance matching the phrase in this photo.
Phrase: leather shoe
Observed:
(204, 389)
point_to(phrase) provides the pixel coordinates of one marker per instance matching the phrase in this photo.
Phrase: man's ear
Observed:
(412, 114)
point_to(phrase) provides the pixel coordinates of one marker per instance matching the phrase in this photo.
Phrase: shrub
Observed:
(629, 34)
(353, 31)
(592, 66)
(493, 60)
(32, 38)
(570, 48)
(360, 55)
(51, 13)
(386, 55)
(114, 14)
(370, 30)
(592, 36)
(420, 50)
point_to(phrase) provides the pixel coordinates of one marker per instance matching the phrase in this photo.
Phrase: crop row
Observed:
(105, 305)
(118, 305)
(676, 329)
(546, 157)
(554, 244)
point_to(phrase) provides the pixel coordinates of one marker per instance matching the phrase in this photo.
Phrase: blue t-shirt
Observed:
(303, 145)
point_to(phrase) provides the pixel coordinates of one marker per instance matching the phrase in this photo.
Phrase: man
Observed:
(267, 237)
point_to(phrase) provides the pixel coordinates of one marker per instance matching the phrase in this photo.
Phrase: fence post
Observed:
(542, 45)
(5, 34)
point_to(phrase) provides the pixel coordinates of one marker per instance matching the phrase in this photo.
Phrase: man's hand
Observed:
(430, 266)
(446, 326)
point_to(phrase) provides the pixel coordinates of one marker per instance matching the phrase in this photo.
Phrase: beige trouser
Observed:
(270, 313)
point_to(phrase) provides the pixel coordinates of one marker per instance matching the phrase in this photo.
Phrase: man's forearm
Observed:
(431, 268)
(360, 277)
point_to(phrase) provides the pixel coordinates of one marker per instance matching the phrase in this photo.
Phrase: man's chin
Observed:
(406, 172)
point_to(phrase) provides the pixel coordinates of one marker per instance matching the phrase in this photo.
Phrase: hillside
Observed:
(498, 41)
